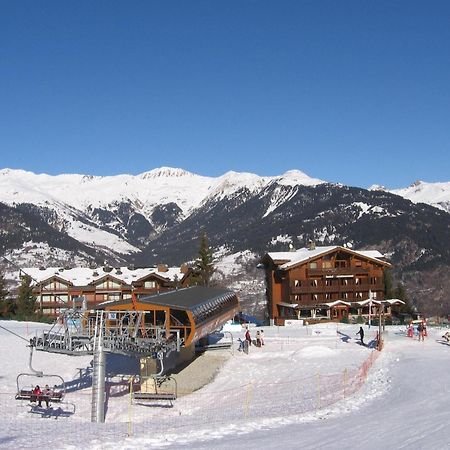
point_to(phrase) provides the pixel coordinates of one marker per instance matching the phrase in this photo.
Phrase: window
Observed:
(149, 284)
(328, 282)
(60, 286)
(326, 264)
(358, 263)
(313, 265)
(357, 281)
(340, 264)
(327, 296)
(297, 283)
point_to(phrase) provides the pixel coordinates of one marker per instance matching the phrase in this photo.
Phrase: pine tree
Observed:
(26, 301)
(204, 267)
(5, 303)
(401, 294)
(389, 291)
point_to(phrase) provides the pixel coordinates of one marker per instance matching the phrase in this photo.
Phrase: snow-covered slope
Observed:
(156, 187)
(434, 194)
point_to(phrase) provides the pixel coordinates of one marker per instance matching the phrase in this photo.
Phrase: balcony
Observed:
(338, 271)
(351, 287)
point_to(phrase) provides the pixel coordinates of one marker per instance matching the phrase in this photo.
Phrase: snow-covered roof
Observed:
(304, 254)
(82, 276)
(394, 301)
(366, 302)
(336, 303)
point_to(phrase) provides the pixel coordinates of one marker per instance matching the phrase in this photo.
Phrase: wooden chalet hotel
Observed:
(59, 288)
(325, 283)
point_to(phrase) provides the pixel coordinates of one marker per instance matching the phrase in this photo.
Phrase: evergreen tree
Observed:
(204, 267)
(401, 294)
(26, 301)
(389, 291)
(5, 303)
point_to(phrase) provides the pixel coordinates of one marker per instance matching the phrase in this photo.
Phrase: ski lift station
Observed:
(161, 330)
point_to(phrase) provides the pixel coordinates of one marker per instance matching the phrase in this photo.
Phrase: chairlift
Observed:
(56, 393)
(157, 386)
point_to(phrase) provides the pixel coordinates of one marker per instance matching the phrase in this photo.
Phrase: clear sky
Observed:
(354, 91)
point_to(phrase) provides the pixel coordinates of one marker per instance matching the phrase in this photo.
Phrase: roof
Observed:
(83, 276)
(290, 259)
(184, 299)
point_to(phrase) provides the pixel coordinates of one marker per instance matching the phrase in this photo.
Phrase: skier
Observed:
(361, 335)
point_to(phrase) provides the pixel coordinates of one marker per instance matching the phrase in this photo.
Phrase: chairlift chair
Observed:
(163, 387)
(56, 396)
(23, 393)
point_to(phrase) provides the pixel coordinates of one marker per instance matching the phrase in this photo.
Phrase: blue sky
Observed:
(352, 91)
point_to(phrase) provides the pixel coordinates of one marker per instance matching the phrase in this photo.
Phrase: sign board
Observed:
(293, 323)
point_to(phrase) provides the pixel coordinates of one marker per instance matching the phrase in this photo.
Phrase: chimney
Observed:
(184, 268)
(311, 245)
(162, 268)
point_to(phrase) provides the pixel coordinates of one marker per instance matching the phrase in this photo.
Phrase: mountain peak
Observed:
(297, 177)
(166, 172)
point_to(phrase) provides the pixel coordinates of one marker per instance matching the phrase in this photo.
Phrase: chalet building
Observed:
(325, 283)
(59, 288)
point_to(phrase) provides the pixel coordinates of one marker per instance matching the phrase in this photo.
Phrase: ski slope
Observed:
(259, 400)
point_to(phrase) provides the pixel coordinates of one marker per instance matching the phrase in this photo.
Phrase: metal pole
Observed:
(98, 380)
(370, 308)
(380, 338)
(100, 385)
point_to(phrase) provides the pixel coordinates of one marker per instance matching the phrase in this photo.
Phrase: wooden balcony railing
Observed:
(338, 271)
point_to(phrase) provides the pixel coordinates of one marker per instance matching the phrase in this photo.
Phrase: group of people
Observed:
(42, 394)
(259, 340)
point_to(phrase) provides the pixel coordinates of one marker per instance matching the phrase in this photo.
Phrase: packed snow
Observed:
(296, 391)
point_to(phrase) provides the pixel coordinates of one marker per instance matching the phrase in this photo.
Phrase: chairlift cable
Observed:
(15, 334)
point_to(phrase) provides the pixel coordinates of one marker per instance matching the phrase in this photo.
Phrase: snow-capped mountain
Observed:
(436, 194)
(158, 216)
(126, 212)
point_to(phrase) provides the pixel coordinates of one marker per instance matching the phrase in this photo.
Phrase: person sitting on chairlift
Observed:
(37, 395)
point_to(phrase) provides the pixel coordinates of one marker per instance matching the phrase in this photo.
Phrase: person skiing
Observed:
(361, 335)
